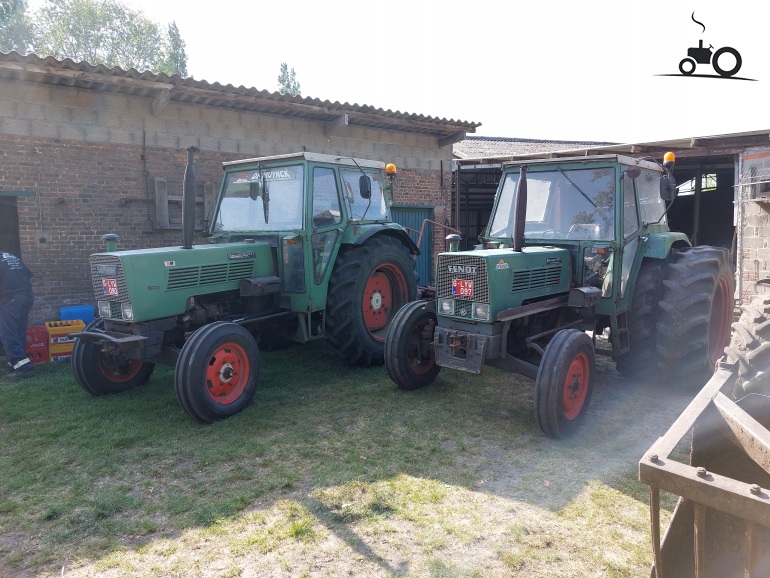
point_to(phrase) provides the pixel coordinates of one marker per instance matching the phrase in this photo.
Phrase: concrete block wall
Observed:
(91, 158)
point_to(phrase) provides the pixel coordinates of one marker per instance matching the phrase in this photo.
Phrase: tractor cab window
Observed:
(326, 200)
(371, 209)
(563, 204)
(651, 206)
(262, 199)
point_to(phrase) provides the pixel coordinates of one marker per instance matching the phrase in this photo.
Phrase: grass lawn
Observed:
(332, 471)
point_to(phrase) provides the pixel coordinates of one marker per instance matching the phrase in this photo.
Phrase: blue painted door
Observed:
(412, 218)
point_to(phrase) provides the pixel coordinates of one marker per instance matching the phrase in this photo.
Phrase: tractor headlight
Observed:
(105, 310)
(127, 311)
(446, 306)
(481, 311)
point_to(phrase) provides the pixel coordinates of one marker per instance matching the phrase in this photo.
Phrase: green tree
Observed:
(15, 28)
(106, 32)
(287, 81)
(176, 57)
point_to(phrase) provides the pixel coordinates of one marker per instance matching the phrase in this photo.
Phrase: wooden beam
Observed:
(333, 126)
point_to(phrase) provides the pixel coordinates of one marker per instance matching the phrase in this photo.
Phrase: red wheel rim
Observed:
(227, 373)
(576, 386)
(719, 321)
(119, 370)
(416, 363)
(385, 293)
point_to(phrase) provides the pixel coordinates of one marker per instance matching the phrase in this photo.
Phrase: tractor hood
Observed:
(499, 278)
(156, 283)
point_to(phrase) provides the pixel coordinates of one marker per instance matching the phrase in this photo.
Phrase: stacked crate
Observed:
(37, 344)
(60, 340)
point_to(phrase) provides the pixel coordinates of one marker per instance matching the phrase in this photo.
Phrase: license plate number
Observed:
(110, 286)
(462, 287)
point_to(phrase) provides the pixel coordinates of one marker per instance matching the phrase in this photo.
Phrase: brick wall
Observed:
(92, 159)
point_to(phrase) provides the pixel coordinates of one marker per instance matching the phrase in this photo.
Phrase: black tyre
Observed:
(695, 313)
(564, 383)
(721, 71)
(750, 347)
(217, 371)
(368, 286)
(642, 318)
(101, 373)
(409, 355)
(687, 66)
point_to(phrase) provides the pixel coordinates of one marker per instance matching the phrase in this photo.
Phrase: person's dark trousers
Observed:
(14, 316)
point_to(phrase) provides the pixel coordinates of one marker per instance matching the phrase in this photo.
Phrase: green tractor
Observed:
(300, 246)
(573, 246)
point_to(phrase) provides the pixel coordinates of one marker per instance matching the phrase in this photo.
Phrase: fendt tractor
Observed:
(573, 245)
(300, 246)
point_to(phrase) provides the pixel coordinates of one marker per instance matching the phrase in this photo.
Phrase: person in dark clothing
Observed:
(16, 300)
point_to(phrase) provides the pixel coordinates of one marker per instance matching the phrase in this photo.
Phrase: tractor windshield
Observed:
(262, 199)
(561, 204)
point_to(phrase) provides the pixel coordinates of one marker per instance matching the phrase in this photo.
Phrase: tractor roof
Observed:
(586, 160)
(307, 156)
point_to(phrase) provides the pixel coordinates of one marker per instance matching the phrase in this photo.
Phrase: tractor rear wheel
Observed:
(101, 373)
(217, 371)
(368, 286)
(695, 313)
(409, 355)
(750, 347)
(564, 383)
(642, 317)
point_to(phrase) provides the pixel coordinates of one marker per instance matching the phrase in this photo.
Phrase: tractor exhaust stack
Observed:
(188, 200)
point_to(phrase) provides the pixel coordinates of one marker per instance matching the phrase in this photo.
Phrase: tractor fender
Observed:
(658, 245)
(359, 234)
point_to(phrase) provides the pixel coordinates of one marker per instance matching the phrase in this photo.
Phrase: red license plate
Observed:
(462, 287)
(110, 286)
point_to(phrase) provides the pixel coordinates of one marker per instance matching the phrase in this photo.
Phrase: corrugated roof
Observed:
(166, 88)
(689, 147)
(477, 147)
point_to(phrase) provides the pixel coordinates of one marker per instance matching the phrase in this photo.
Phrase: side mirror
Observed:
(667, 187)
(365, 187)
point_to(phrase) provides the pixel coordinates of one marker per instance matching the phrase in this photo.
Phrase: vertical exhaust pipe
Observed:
(188, 200)
(520, 210)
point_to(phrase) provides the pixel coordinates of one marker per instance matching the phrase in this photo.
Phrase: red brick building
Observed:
(86, 150)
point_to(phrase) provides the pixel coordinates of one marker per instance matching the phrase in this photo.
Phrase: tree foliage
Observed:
(287, 81)
(15, 27)
(109, 33)
(176, 57)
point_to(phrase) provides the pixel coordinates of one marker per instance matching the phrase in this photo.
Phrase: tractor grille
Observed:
(536, 278)
(109, 267)
(451, 267)
(184, 277)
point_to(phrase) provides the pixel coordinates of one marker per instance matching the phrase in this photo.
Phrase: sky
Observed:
(560, 70)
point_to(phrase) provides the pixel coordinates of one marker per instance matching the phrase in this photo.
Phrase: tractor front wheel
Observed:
(101, 373)
(368, 286)
(409, 355)
(217, 371)
(564, 383)
(695, 313)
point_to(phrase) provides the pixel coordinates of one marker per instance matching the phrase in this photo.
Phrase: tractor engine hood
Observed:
(156, 283)
(477, 285)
